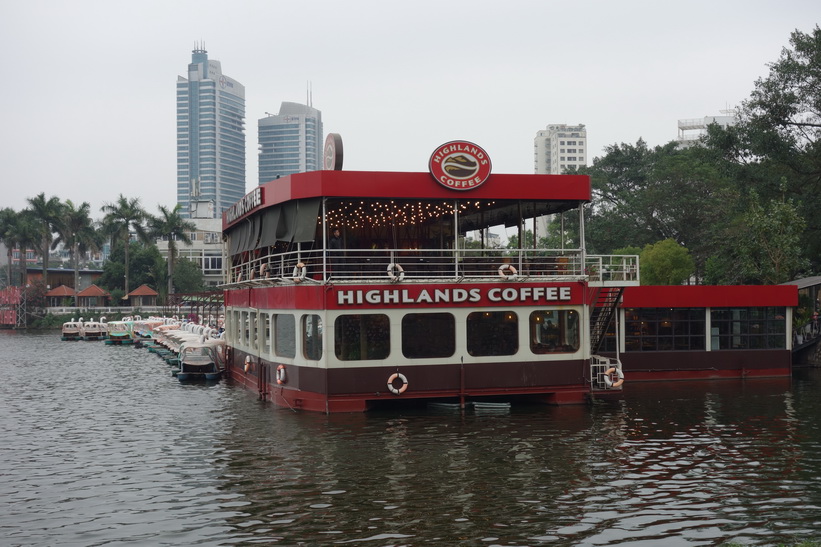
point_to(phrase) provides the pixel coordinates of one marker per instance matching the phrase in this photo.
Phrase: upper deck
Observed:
(408, 227)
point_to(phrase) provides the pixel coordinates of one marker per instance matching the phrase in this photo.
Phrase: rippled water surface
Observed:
(99, 445)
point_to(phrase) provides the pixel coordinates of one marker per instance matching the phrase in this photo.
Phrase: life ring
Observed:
(396, 272)
(248, 363)
(300, 271)
(392, 388)
(281, 378)
(263, 271)
(507, 271)
(609, 381)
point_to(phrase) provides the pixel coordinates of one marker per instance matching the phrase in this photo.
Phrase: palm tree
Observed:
(20, 232)
(8, 218)
(48, 213)
(120, 218)
(78, 234)
(171, 226)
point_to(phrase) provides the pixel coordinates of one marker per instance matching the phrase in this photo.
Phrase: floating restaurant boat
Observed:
(401, 308)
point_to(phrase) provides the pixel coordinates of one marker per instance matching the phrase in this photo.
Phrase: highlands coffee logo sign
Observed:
(460, 165)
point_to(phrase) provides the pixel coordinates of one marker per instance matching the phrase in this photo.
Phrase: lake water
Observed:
(99, 445)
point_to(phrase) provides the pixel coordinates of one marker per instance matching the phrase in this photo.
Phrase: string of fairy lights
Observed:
(367, 213)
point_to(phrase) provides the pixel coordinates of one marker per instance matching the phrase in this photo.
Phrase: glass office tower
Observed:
(210, 139)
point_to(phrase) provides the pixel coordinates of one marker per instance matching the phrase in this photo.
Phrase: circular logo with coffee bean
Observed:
(460, 165)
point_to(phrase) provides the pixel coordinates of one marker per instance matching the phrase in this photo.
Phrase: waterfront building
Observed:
(556, 149)
(692, 129)
(559, 147)
(210, 138)
(206, 249)
(290, 142)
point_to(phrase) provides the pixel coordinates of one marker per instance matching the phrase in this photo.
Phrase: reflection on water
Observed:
(99, 445)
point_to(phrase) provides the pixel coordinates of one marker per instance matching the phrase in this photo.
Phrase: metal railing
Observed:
(359, 265)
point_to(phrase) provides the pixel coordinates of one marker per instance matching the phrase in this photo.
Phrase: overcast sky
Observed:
(88, 97)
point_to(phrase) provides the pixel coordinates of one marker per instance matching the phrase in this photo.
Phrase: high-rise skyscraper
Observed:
(290, 142)
(210, 138)
(559, 147)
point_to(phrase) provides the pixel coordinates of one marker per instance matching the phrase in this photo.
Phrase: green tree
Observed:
(665, 263)
(771, 251)
(49, 214)
(171, 227)
(776, 146)
(643, 195)
(77, 232)
(120, 218)
(147, 267)
(188, 277)
(22, 233)
(8, 219)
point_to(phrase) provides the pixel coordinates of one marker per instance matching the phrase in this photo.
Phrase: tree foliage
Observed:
(120, 219)
(772, 253)
(188, 277)
(665, 263)
(172, 227)
(744, 202)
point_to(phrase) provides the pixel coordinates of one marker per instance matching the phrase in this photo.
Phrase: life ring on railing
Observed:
(263, 271)
(249, 364)
(507, 271)
(608, 380)
(281, 377)
(393, 389)
(300, 271)
(396, 272)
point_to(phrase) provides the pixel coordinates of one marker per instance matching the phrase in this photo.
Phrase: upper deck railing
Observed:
(434, 265)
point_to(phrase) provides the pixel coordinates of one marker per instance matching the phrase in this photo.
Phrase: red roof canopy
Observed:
(93, 290)
(143, 290)
(62, 290)
(709, 296)
(402, 185)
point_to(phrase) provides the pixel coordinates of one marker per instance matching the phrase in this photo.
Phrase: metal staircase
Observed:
(605, 372)
(604, 301)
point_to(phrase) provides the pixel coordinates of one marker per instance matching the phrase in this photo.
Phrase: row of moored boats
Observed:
(196, 352)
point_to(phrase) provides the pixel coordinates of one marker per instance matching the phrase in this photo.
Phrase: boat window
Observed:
(362, 337)
(664, 329)
(284, 335)
(254, 319)
(265, 328)
(245, 326)
(748, 328)
(554, 331)
(312, 337)
(492, 333)
(426, 335)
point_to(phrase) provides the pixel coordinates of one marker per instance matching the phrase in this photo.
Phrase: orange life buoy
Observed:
(507, 271)
(396, 272)
(299, 272)
(393, 389)
(608, 380)
(249, 364)
(281, 378)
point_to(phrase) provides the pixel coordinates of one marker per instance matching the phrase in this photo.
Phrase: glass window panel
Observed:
(285, 335)
(426, 335)
(492, 333)
(362, 337)
(312, 337)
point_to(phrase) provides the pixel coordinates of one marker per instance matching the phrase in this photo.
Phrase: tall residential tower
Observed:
(290, 142)
(559, 147)
(210, 139)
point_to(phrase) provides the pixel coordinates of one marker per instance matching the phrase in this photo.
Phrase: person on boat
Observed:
(335, 247)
